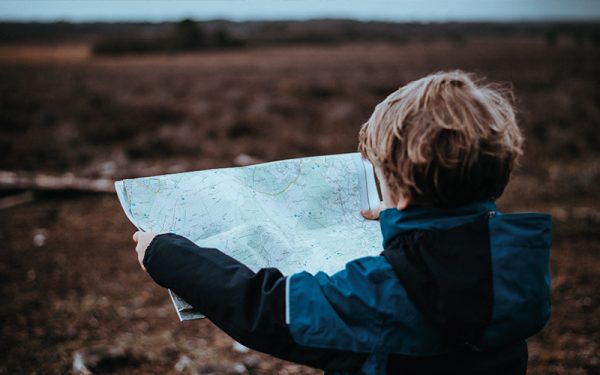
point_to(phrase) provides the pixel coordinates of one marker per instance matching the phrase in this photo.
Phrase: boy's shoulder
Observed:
(528, 229)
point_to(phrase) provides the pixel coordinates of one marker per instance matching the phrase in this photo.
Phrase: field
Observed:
(69, 281)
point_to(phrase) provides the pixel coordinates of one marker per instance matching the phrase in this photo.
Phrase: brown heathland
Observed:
(68, 275)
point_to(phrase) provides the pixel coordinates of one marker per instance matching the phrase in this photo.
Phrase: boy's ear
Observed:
(402, 203)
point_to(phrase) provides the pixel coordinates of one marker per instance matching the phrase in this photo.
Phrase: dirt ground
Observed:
(69, 281)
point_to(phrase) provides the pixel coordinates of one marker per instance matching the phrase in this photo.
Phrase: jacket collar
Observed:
(394, 222)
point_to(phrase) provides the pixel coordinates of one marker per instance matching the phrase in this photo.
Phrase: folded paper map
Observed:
(296, 215)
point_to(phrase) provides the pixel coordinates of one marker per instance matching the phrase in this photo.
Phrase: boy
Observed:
(458, 287)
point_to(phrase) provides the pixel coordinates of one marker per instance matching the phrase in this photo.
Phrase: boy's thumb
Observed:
(369, 214)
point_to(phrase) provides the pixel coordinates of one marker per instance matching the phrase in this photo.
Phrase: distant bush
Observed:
(223, 39)
(188, 37)
(551, 37)
(121, 45)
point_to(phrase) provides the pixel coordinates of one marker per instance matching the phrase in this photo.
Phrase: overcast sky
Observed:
(399, 10)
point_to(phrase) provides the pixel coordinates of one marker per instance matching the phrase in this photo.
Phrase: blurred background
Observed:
(95, 91)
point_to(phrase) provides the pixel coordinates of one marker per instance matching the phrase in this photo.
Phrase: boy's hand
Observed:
(143, 239)
(372, 214)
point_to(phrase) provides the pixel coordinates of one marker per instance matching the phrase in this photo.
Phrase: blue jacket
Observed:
(466, 282)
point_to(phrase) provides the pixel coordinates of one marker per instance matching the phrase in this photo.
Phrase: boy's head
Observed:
(443, 140)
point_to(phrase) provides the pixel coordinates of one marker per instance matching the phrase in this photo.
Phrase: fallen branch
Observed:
(33, 181)
(16, 199)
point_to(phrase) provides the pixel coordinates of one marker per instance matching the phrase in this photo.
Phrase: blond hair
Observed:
(444, 140)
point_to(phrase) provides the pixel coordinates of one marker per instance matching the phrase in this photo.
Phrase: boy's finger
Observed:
(369, 214)
(135, 236)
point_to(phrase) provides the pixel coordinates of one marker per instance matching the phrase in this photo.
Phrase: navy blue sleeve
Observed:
(248, 306)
